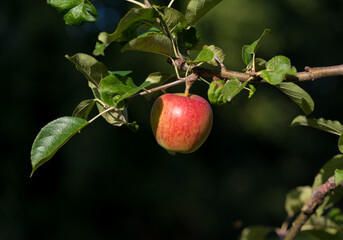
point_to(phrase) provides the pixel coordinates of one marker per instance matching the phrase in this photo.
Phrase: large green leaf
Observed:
(296, 198)
(76, 12)
(115, 88)
(127, 28)
(257, 232)
(155, 43)
(196, 9)
(52, 137)
(333, 127)
(91, 68)
(298, 95)
(276, 70)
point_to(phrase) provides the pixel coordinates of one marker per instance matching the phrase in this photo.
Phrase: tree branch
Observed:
(310, 206)
(309, 74)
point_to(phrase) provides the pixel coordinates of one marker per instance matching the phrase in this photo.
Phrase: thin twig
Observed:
(317, 198)
(309, 74)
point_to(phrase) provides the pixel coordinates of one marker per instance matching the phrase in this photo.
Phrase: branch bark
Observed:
(309, 74)
(310, 206)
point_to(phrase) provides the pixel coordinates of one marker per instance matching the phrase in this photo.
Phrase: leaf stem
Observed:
(137, 3)
(204, 80)
(176, 69)
(100, 114)
(171, 3)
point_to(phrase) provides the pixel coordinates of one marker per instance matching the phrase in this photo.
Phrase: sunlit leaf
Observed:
(205, 55)
(214, 93)
(115, 88)
(232, 87)
(252, 90)
(196, 9)
(298, 95)
(116, 117)
(155, 43)
(52, 137)
(75, 12)
(276, 70)
(333, 127)
(338, 175)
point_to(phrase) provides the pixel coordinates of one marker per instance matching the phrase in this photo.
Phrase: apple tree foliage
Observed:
(166, 31)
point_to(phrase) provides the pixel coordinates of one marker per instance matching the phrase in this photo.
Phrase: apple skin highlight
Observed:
(179, 123)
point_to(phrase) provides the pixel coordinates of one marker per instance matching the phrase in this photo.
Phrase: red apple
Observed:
(180, 123)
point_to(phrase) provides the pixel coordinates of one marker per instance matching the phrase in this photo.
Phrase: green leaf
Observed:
(99, 49)
(121, 73)
(333, 127)
(76, 12)
(338, 175)
(187, 38)
(127, 28)
(252, 90)
(214, 93)
(209, 54)
(260, 64)
(172, 17)
(158, 78)
(205, 55)
(323, 175)
(255, 233)
(196, 9)
(93, 70)
(52, 137)
(276, 70)
(328, 170)
(249, 50)
(322, 228)
(83, 109)
(155, 43)
(232, 87)
(116, 117)
(296, 198)
(298, 95)
(115, 88)
(340, 143)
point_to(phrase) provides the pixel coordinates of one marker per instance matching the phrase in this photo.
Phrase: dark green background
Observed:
(111, 183)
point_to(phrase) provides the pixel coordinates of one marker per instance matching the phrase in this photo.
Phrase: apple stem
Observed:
(188, 84)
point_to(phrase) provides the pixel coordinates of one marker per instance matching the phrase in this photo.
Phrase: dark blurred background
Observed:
(111, 183)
